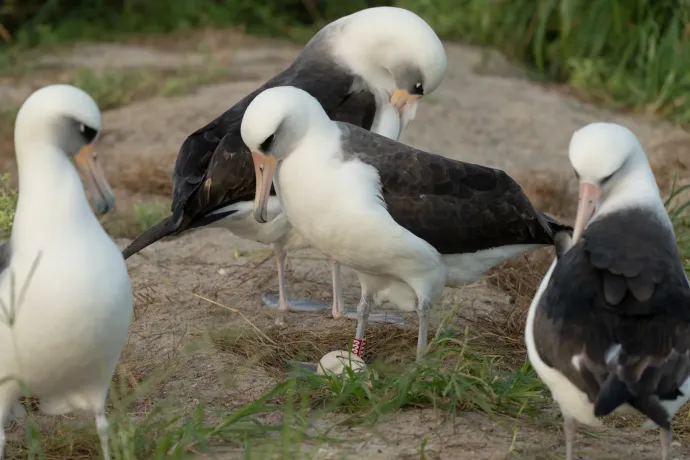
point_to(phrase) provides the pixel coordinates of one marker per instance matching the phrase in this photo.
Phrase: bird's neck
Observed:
(386, 121)
(51, 195)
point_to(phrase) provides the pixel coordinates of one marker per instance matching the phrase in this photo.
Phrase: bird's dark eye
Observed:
(418, 89)
(266, 145)
(89, 134)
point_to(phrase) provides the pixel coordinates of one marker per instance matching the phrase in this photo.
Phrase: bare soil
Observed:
(486, 112)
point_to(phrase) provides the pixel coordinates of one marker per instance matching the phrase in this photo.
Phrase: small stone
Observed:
(222, 271)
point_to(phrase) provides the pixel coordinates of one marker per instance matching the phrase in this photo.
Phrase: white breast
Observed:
(73, 321)
(336, 207)
(387, 121)
(243, 224)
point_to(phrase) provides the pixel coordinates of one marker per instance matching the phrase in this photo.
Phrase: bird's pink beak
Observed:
(589, 197)
(264, 167)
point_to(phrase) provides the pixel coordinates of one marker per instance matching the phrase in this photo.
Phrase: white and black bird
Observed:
(65, 295)
(609, 326)
(369, 68)
(407, 221)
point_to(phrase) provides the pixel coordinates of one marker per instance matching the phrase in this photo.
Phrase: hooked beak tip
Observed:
(260, 214)
(104, 205)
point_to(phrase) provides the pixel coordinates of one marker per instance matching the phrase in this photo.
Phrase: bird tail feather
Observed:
(154, 233)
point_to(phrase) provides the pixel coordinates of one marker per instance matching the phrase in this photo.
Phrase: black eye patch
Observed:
(418, 89)
(88, 133)
(266, 145)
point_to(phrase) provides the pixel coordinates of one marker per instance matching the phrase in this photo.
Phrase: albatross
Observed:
(369, 69)
(65, 295)
(407, 221)
(609, 326)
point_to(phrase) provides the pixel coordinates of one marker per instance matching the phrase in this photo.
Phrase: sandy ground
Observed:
(486, 111)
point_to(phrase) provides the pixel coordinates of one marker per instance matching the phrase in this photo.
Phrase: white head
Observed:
(608, 161)
(394, 51)
(273, 124)
(67, 119)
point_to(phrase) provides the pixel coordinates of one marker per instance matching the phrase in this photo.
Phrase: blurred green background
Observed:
(625, 53)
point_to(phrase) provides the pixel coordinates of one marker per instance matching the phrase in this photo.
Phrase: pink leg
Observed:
(358, 342)
(282, 302)
(280, 261)
(338, 303)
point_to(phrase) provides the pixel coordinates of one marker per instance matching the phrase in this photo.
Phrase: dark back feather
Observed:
(214, 168)
(622, 284)
(457, 207)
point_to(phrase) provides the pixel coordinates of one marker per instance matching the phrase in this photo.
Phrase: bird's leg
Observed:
(362, 316)
(423, 307)
(665, 436)
(385, 317)
(282, 298)
(102, 429)
(280, 262)
(338, 304)
(283, 304)
(569, 431)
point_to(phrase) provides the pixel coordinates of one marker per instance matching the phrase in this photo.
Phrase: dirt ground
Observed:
(486, 111)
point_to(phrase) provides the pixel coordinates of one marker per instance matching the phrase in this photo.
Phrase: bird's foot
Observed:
(384, 317)
(272, 301)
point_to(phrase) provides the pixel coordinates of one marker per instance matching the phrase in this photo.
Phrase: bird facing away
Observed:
(609, 326)
(408, 222)
(65, 295)
(369, 69)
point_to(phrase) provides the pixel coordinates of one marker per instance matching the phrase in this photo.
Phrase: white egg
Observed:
(335, 362)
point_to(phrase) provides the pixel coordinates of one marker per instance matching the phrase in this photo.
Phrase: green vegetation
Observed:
(8, 203)
(681, 221)
(117, 87)
(130, 223)
(38, 22)
(452, 378)
(627, 53)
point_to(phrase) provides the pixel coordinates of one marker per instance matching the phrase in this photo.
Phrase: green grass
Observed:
(37, 22)
(118, 87)
(131, 224)
(113, 88)
(626, 53)
(678, 211)
(147, 215)
(452, 378)
(8, 204)
(304, 410)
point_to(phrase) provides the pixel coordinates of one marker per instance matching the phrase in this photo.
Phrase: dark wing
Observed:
(621, 301)
(357, 108)
(214, 168)
(457, 207)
